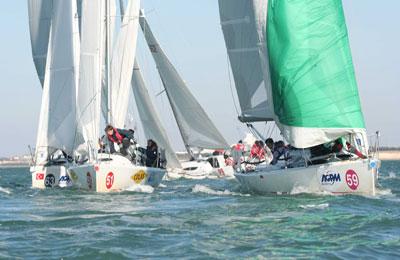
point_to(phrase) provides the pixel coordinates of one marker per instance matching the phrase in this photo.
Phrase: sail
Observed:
(195, 126)
(58, 123)
(243, 24)
(149, 118)
(313, 83)
(112, 14)
(122, 62)
(90, 80)
(39, 26)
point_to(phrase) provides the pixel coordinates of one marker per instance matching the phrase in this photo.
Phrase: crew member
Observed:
(151, 153)
(121, 137)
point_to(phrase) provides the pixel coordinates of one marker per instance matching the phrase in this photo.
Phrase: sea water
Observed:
(196, 219)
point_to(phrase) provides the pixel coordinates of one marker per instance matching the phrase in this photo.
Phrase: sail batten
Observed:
(196, 128)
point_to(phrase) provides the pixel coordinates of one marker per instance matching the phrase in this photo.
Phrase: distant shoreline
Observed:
(390, 155)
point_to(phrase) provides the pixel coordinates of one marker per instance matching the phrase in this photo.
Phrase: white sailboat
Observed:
(196, 128)
(107, 172)
(300, 51)
(55, 141)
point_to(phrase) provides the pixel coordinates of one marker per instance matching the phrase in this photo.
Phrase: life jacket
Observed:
(229, 161)
(254, 151)
(261, 153)
(118, 137)
(239, 147)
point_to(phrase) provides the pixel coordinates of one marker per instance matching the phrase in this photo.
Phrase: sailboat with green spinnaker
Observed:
(309, 79)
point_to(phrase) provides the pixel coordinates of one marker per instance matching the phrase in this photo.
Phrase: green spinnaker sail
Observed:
(312, 74)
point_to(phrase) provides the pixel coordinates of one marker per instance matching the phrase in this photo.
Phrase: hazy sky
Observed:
(190, 33)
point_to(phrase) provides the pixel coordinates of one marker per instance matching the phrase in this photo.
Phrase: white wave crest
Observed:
(303, 190)
(390, 176)
(141, 189)
(4, 190)
(204, 189)
(315, 206)
(383, 192)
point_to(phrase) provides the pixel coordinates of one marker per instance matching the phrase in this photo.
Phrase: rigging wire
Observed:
(230, 86)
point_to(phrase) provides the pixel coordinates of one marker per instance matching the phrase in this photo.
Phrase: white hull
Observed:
(211, 167)
(50, 176)
(343, 177)
(114, 173)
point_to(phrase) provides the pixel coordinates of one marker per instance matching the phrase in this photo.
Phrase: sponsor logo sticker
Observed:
(39, 176)
(139, 176)
(330, 178)
(109, 180)
(65, 179)
(73, 175)
(352, 179)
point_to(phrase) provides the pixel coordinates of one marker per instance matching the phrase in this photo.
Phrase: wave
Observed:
(303, 190)
(205, 189)
(4, 190)
(391, 176)
(141, 189)
(315, 206)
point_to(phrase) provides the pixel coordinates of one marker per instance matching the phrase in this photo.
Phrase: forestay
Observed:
(122, 62)
(243, 24)
(58, 123)
(90, 80)
(39, 26)
(313, 84)
(149, 118)
(195, 126)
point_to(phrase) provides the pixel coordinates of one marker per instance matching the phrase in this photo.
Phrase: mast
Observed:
(108, 63)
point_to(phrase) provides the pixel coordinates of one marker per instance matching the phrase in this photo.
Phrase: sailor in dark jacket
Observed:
(121, 137)
(151, 153)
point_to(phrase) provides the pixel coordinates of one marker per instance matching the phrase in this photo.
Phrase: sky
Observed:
(191, 36)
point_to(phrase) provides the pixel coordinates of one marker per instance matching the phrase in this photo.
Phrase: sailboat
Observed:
(104, 172)
(55, 49)
(301, 52)
(196, 128)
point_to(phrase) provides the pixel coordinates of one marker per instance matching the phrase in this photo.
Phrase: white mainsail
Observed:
(39, 26)
(58, 123)
(243, 24)
(111, 19)
(122, 62)
(196, 128)
(149, 118)
(90, 74)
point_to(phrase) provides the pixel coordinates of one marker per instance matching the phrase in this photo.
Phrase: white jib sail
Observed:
(122, 62)
(39, 26)
(58, 122)
(90, 73)
(243, 24)
(196, 128)
(149, 118)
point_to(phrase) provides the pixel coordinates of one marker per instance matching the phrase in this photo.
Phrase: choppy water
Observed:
(196, 219)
